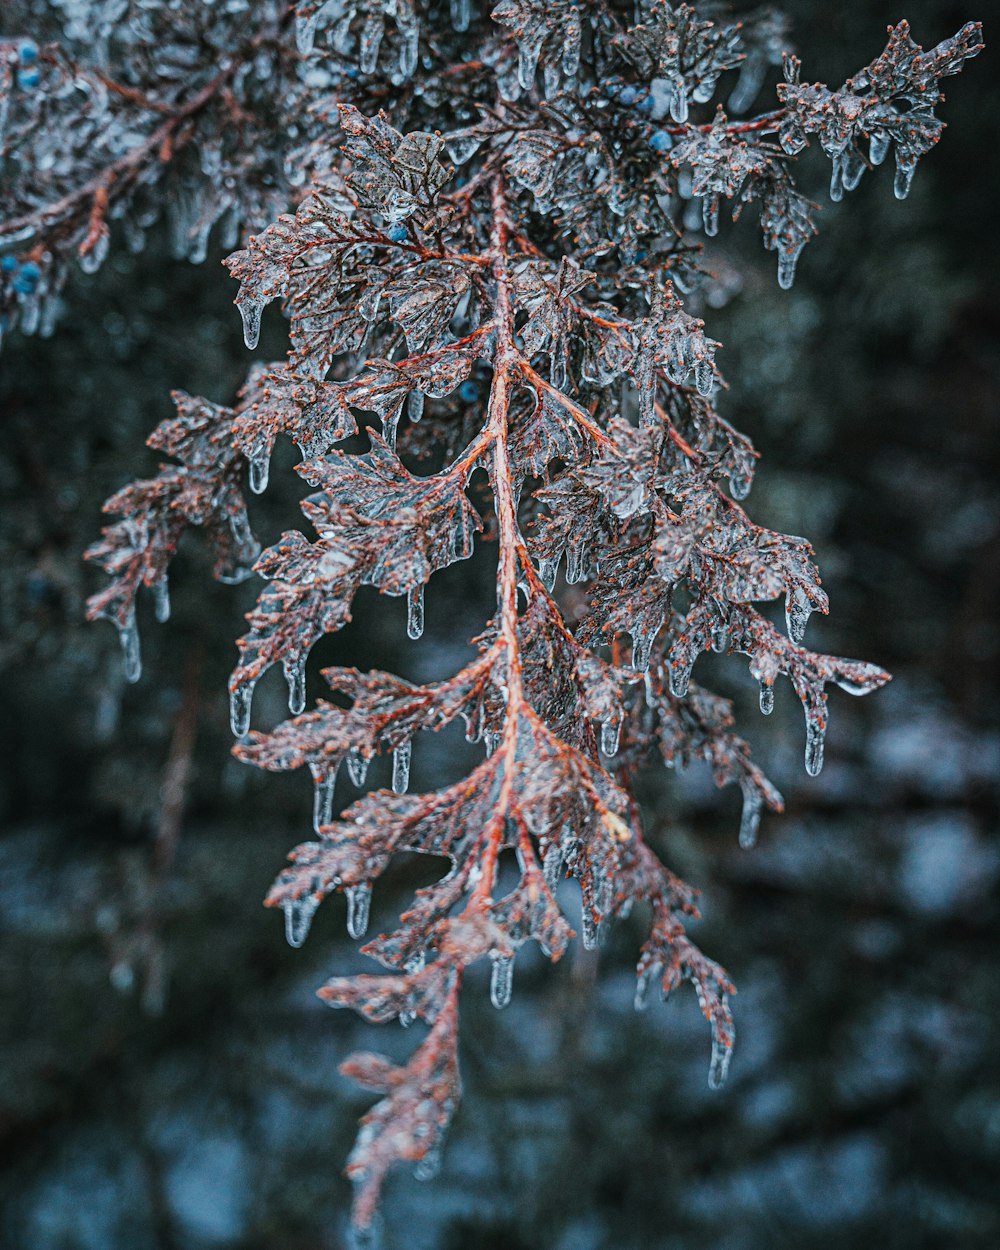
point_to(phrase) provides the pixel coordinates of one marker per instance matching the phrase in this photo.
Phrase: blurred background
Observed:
(168, 1081)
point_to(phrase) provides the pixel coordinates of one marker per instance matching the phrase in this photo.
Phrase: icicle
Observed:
(370, 43)
(389, 425)
(430, 1165)
(401, 767)
(161, 592)
(787, 260)
(710, 214)
(295, 675)
(575, 564)
(325, 786)
(797, 613)
(359, 902)
(128, 634)
(548, 567)
(260, 463)
(719, 1066)
(591, 930)
(250, 311)
(240, 700)
(501, 980)
(491, 741)
(610, 734)
(750, 819)
(704, 377)
(720, 640)
(92, 260)
(415, 612)
(643, 984)
(415, 405)
(460, 15)
(298, 918)
(680, 677)
(878, 146)
(766, 698)
(357, 768)
(837, 178)
(552, 865)
(904, 176)
(815, 735)
(679, 102)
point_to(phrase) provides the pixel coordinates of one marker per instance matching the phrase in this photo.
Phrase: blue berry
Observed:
(28, 78)
(611, 87)
(397, 234)
(23, 285)
(28, 52)
(629, 95)
(469, 391)
(640, 255)
(645, 105)
(660, 141)
(30, 271)
(8, 264)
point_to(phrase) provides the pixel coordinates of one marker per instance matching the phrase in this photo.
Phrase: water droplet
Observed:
(501, 980)
(359, 901)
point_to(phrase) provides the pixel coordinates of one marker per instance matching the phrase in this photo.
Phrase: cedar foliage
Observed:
(486, 270)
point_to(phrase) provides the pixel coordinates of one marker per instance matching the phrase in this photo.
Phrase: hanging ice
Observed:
(250, 311)
(359, 901)
(415, 612)
(610, 734)
(591, 929)
(643, 984)
(128, 634)
(460, 15)
(904, 177)
(401, 767)
(240, 700)
(260, 463)
(325, 786)
(548, 567)
(430, 1165)
(750, 819)
(719, 1065)
(815, 735)
(357, 768)
(710, 214)
(299, 913)
(878, 146)
(501, 980)
(295, 675)
(766, 698)
(552, 865)
(415, 405)
(161, 590)
(787, 260)
(798, 610)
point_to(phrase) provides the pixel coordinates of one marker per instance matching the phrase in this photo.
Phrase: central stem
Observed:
(508, 536)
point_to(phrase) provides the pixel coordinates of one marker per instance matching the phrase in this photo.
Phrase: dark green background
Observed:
(863, 1106)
